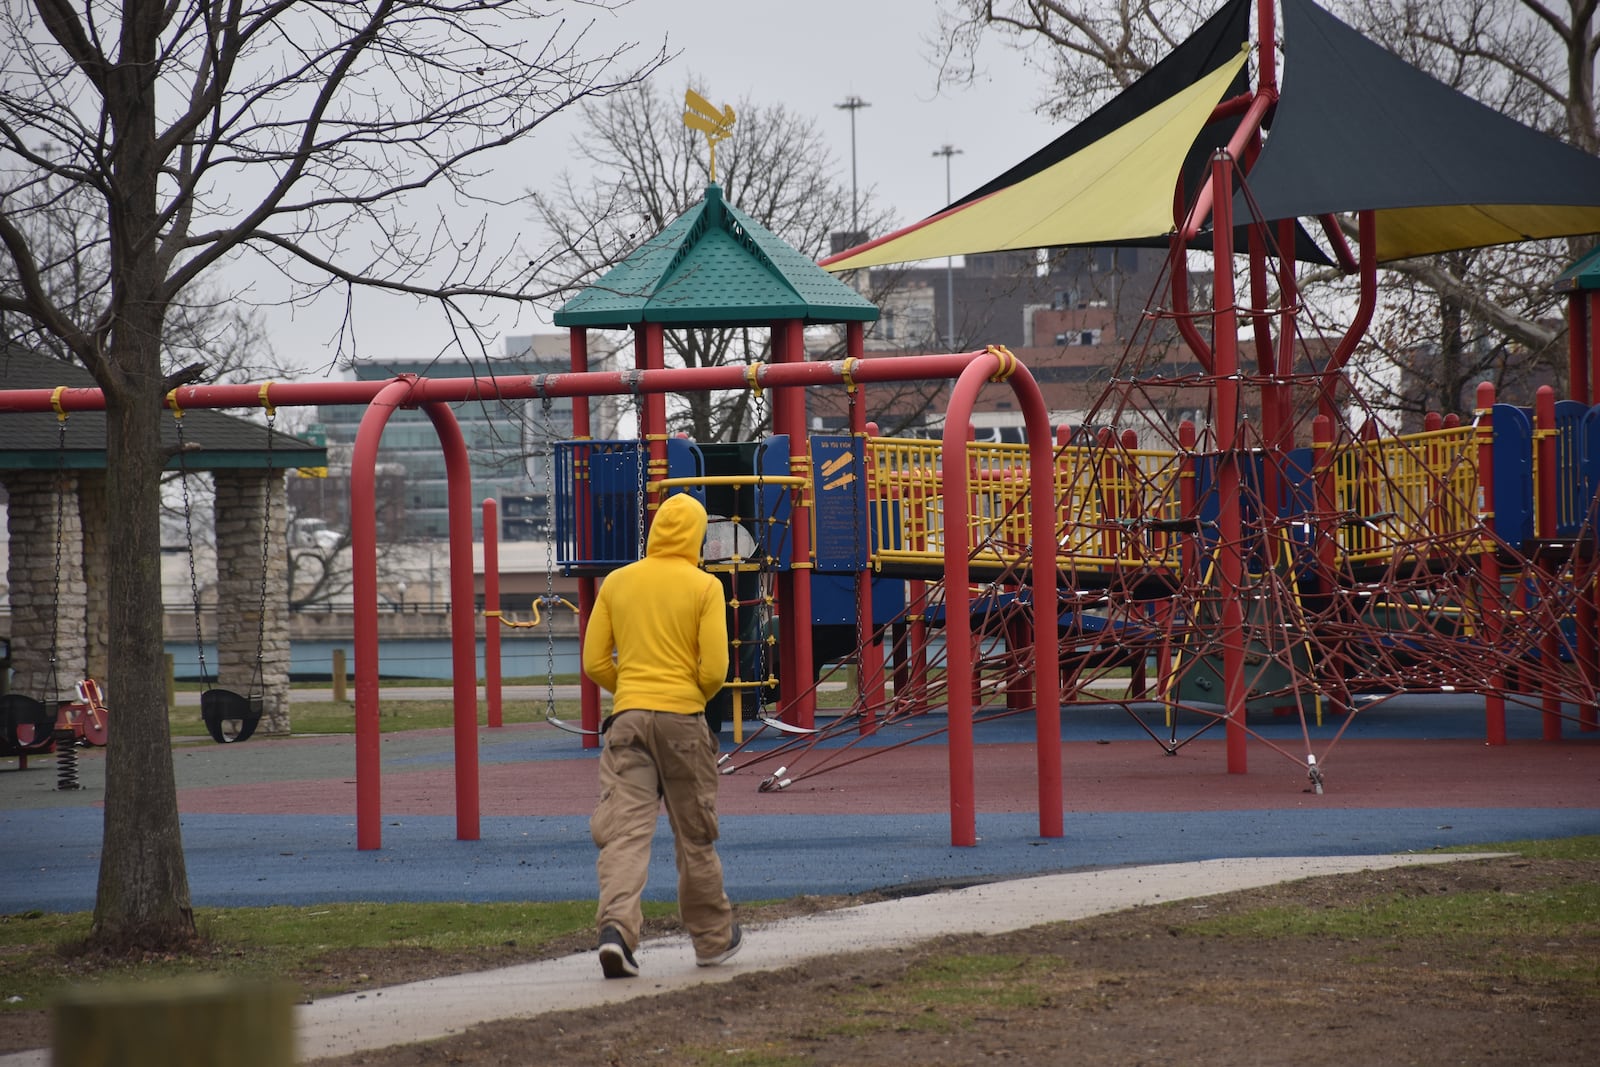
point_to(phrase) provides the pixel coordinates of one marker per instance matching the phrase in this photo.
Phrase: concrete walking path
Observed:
(427, 1010)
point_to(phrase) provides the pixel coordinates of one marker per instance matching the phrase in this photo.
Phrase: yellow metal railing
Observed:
(1106, 498)
(1408, 494)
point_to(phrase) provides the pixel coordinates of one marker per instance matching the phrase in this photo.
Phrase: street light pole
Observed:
(853, 104)
(949, 263)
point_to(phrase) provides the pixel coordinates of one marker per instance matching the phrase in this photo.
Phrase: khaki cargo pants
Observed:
(652, 757)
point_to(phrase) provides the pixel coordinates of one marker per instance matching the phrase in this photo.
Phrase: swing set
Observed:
(229, 716)
(28, 725)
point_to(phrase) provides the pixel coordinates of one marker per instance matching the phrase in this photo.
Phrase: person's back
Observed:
(662, 618)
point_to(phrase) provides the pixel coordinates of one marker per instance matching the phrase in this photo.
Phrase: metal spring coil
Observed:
(66, 760)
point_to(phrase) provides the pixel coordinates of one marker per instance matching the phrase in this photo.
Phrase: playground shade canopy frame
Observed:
(1355, 129)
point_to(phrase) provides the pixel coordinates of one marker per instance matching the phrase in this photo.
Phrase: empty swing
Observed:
(229, 716)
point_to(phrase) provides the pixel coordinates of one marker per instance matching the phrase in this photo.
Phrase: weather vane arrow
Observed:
(700, 114)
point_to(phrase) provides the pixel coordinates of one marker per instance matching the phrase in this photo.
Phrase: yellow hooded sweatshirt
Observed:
(663, 617)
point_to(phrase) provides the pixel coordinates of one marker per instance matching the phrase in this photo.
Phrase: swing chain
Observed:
(54, 682)
(258, 683)
(643, 446)
(764, 573)
(188, 538)
(549, 556)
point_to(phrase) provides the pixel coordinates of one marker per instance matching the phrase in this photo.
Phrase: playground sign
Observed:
(839, 502)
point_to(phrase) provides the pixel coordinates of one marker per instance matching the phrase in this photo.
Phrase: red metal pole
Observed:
(491, 609)
(800, 705)
(364, 593)
(1366, 304)
(1582, 339)
(588, 587)
(519, 387)
(1544, 414)
(463, 621)
(1230, 557)
(1578, 326)
(1594, 347)
(869, 653)
(1490, 596)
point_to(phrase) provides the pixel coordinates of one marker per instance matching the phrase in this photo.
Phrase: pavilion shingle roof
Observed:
(715, 266)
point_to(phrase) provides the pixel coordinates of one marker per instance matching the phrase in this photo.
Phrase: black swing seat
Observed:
(27, 727)
(228, 716)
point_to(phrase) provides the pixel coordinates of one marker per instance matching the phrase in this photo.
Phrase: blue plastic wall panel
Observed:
(599, 527)
(833, 599)
(774, 538)
(839, 502)
(685, 460)
(1572, 503)
(1209, 503)
(1299, 491)
(1513, 474)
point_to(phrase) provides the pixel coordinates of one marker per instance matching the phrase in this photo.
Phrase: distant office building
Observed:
(509, 442)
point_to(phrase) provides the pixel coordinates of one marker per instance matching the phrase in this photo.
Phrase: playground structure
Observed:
(1292, 557)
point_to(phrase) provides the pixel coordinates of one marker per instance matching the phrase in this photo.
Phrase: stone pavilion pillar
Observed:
(253, 614)
(47, 600)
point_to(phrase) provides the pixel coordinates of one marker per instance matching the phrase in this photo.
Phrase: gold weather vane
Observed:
(703, 116)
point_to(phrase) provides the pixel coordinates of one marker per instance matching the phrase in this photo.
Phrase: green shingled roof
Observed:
(1584, 274)
(715, 266)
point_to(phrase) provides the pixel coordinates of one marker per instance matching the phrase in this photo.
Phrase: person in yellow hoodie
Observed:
(658, 642)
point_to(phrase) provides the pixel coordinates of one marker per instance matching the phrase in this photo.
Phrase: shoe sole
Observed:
(614, 963)
(724, 956)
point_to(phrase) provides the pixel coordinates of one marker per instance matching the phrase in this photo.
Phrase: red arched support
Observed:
(364, 577)
(364, 592)
(1002, 366)
(463, 622)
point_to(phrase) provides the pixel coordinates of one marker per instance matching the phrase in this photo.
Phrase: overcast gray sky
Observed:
(808, 56)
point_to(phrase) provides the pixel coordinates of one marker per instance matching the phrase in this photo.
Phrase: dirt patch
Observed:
(1155, 985)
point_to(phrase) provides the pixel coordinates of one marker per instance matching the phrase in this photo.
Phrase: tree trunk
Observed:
(143, 895)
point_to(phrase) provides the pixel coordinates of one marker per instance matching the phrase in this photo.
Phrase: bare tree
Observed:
(338, 145)
(651, 168)
(1092, 49)
(1486, 314)
(1448, 320)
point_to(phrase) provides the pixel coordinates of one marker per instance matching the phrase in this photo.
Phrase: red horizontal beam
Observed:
(519, 387)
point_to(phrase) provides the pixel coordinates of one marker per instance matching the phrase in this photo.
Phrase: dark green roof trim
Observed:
(1584, 274)
(715, 266)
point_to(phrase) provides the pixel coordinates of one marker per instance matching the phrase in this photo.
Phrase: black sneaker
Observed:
(615, 959)
(734, 945)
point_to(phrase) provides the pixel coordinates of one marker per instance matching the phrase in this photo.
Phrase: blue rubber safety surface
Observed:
(51, 857)
(50, 841)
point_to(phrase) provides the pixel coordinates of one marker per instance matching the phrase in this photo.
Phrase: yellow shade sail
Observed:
(1118, 188)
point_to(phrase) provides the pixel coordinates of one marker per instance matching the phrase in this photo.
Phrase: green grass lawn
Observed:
(293, 942)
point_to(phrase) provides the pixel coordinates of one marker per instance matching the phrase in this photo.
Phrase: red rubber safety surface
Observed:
(1114, 776)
